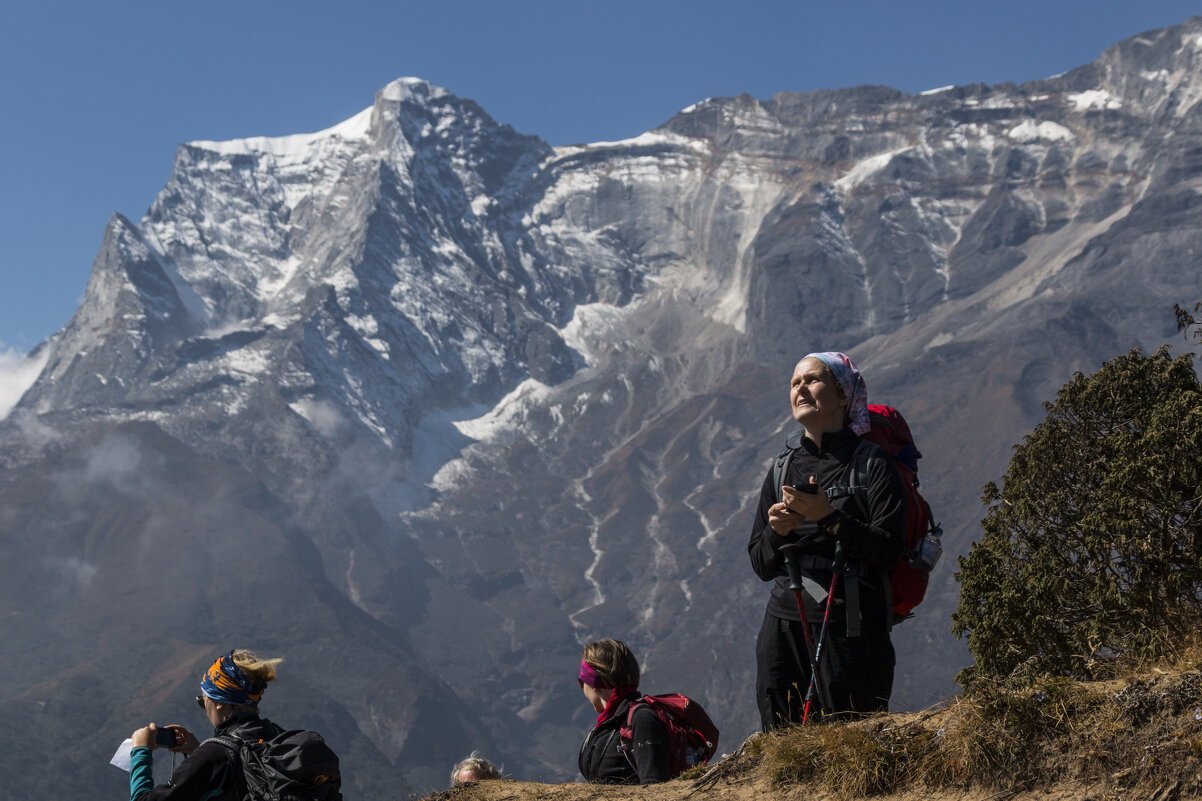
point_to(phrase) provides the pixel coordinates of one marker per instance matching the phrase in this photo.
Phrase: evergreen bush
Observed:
(1092, 546)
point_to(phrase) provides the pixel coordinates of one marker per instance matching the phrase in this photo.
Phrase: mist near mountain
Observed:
(423, 404)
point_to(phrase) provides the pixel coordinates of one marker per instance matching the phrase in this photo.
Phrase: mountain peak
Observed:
(411, 89)
(295, 147)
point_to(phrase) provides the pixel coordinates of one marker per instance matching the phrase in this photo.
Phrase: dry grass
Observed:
(851, 760)
(1138, 737)
(1002, 738)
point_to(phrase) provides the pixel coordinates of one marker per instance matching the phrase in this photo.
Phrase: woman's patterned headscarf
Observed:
(225, 683)
(855, 391)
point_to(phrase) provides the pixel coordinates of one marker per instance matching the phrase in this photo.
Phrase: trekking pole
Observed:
(791, 564)
(815, 684)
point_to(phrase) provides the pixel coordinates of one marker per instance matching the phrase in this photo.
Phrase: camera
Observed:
(166, 738)
(808, 489)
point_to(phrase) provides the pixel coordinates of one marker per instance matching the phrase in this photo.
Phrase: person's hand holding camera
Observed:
(174, 738)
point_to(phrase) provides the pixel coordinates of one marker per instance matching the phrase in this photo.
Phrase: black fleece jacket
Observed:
(208, 773)
(871, 546)
(602, 761)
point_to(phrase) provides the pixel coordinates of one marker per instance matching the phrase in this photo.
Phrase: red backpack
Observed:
(692, 735)
(923, 548)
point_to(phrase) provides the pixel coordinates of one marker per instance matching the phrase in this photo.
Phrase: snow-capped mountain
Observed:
(423, 403)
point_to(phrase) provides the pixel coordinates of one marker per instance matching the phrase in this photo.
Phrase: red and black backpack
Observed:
(692, 736)
(923, 547)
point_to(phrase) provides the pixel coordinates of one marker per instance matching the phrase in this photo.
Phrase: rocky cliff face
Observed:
(423, 404)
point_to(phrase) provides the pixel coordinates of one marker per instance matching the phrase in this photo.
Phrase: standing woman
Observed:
(230, 693)
(609, 677)
(866, 523)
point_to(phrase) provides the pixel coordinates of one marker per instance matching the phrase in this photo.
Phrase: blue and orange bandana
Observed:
(225, 683)
(852, 383)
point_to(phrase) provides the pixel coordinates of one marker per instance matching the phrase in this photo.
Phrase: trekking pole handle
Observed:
(839, 563)
(789, 551)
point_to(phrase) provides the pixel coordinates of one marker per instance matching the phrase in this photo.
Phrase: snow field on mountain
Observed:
(865, 169)
(1094, 100)
(1032, 131)
(296, 148)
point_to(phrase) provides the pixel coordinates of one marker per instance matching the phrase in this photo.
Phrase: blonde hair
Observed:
(613, 662)
(478, 765)
(258, 670)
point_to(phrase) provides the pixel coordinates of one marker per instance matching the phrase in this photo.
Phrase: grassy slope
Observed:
(1132, 738)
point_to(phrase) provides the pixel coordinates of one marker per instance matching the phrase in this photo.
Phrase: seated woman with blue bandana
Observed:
(230, 692)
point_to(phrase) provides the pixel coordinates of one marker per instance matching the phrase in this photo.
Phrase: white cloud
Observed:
(75, 569)
(324, 415)
(36, 433)
(17, 374)
(116, 460)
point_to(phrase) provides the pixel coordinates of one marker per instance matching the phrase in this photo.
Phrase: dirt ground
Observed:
(749, 790)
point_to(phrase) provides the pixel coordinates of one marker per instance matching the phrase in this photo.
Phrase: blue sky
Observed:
(97, 96)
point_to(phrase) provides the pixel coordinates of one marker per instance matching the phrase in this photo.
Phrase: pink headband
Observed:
(589, 676)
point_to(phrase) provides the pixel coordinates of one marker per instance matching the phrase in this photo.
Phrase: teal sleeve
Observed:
(141, 772)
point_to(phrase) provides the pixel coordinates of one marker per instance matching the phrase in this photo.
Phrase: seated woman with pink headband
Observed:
(609, 678)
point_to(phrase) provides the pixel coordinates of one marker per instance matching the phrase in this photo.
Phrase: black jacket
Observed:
(601, 760)
(208, 773)
(872, 546)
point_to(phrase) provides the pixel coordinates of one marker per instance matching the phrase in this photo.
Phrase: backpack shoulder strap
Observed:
(857, 476)
(233, 747)
(626, 731)
(227, 741)
(781, 468)
(635, 706)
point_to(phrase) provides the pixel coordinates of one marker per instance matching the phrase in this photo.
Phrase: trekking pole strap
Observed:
(806, 563)
(813, 589)
(851, 586)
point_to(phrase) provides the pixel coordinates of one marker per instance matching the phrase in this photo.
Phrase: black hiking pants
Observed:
(857, 671)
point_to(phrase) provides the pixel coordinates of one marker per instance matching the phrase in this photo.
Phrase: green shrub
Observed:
(1095, 536)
